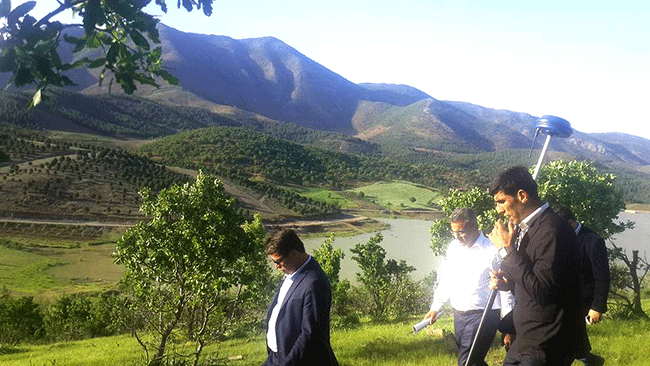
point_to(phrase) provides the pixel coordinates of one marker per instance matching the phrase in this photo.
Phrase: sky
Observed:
(585, 61)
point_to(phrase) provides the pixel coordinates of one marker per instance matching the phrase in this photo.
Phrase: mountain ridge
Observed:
(267, 77)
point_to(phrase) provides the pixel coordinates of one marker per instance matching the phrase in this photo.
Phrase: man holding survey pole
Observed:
(540, 264)
(464, 279)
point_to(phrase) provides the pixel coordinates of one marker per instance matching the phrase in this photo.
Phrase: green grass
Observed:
(24, 272)
(398, 195)
(47, 268)
(624, 343)
(120, 350)
(326, 196)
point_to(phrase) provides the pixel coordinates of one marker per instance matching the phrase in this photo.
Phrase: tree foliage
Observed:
(193, 263)
(120, 30)
(344, 313)
(20, 319)
(383, 279)
(591, 195)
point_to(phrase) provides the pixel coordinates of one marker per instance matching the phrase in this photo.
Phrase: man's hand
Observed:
(499, 282)
(431, 315)
(507, 340)
(594, 316)
(501, 235)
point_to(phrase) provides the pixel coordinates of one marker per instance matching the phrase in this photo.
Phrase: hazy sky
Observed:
(585, 61)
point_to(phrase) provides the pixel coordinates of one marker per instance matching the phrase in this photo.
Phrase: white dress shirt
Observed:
(271, 337)
(465, 275)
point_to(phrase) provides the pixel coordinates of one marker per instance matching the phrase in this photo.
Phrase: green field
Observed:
(42, 268)
(620, 342)
(327, 196)
(24, 272)
(399, 195)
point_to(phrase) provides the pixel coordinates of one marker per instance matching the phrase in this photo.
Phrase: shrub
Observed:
(20, 319)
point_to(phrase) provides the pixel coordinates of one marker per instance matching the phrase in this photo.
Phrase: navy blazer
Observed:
(303, 324)
(544, 271)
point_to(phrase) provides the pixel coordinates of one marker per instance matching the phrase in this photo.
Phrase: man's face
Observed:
(465, 233)
(511, 207)
(283, 263)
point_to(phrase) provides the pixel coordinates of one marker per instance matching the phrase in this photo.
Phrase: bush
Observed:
(80, 316)
(20, 319)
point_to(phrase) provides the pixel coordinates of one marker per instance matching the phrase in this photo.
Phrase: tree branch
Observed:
(63, 6)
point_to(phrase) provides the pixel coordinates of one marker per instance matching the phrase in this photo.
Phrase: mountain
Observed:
(269, 78)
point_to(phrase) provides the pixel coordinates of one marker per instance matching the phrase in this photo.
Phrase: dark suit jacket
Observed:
(545, 275)
(595, 274)
(303, 324)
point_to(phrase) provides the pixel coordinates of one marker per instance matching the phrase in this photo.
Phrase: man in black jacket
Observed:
(594, 279)
(540, 264)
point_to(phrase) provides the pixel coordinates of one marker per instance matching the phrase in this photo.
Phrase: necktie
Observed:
(518, 235)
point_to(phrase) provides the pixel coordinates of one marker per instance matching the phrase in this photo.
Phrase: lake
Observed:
(409, 239)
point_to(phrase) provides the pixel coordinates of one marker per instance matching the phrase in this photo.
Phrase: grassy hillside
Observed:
(45, 261)
(400, 195)
(622, 343)
(52, 178)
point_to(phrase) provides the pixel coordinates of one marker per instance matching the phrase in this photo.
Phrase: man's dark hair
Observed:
(464, 214)
(514, 179)
(564, 212)
(283, 241)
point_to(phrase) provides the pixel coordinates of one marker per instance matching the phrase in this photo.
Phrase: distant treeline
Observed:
(251, 153)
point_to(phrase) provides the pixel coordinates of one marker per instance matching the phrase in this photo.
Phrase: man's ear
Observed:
(522, 196)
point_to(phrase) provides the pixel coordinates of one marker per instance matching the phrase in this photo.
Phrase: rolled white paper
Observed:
(426, 322)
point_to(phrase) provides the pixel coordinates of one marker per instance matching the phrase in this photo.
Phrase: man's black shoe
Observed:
(594, 360)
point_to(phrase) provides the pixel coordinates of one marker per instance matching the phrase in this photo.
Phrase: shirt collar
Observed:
(476, 242)
(578, 228)
(525, 223)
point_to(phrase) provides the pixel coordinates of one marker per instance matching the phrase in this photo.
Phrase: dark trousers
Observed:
(465, 327)
(538, 358)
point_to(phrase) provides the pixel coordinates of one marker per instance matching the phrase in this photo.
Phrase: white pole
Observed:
(541, 156)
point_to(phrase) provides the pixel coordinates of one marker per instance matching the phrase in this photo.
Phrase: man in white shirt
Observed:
(464, 279)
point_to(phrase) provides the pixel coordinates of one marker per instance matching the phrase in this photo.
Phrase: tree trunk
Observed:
(636, 285)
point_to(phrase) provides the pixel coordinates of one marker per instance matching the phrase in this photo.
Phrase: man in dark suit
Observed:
(298, 321)
(540, 264)
(594, 280)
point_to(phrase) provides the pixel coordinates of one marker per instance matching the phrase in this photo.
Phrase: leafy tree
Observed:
(192, 265)
(592, 196)
(120, 30)
(329, 258)
(383, 279)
